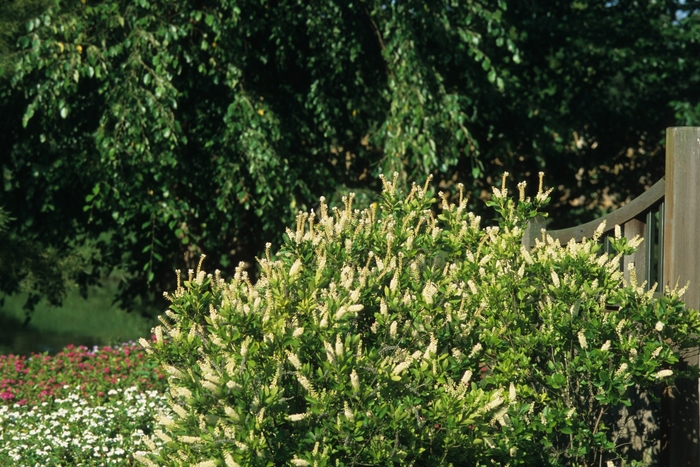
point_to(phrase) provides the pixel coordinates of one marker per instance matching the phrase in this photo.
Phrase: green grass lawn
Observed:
(94, 321)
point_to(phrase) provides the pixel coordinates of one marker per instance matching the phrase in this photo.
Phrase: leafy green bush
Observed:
(391, 336)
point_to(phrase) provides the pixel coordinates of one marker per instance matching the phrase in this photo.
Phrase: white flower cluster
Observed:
(79, 433)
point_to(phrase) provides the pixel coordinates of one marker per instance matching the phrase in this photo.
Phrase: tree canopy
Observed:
(139, 131)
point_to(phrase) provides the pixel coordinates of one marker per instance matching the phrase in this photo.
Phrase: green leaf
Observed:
(492, 76)
(27, 116)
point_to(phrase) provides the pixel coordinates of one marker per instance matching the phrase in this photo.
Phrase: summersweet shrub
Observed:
(392, 336)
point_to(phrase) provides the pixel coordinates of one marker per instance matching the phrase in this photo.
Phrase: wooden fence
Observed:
(667, 216)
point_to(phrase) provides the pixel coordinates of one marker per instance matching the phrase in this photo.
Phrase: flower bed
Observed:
(40, 378)
(81, 407)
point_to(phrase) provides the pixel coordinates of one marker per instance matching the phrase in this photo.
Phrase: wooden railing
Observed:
(667, 216)
(644, 216)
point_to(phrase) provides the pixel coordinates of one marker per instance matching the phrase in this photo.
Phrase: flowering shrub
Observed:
(391, 335)
(41, 378)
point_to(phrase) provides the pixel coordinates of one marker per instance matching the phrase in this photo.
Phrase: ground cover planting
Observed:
(81, 407)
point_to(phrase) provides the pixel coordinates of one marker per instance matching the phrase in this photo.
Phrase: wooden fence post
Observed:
(679, 442)
(534, 231)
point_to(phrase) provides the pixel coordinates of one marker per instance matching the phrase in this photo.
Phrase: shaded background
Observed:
(139, 134)
(95, 321)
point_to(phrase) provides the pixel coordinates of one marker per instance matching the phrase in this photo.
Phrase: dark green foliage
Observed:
(598, 85)
(44, 272)
(207, 127)
(14, 15)
(185, 127)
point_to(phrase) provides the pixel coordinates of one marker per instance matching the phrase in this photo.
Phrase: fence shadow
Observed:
(637, 429)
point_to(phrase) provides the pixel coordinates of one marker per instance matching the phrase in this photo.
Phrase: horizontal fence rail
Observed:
(642, 216)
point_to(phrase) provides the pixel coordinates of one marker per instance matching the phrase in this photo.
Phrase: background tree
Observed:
(44, 269)
(145, 130)
(598, 85)
(14, 15)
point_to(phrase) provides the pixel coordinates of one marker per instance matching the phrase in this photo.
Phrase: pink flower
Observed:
(7, 395)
